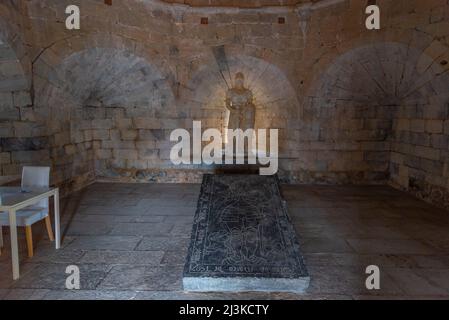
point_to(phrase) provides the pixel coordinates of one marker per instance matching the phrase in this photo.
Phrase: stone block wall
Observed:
(420, 151)
(22, 139)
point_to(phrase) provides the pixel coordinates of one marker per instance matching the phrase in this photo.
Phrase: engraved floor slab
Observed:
(242, 238)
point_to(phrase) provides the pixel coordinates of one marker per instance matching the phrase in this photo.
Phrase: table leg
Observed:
(57, 221)
(14, 245)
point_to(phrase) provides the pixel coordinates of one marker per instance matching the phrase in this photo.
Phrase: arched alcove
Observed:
(377, 113)
(113, 78)
(274, 97)
(110, 107)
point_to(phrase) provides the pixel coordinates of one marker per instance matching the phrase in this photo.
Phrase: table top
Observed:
(13, 196)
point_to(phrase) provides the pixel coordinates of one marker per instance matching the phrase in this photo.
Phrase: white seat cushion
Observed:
(25, 217)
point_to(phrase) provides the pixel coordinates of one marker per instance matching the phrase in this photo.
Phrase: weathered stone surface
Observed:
(5, 158)
(24, 144)
(242, 238)
(30, 157)
(143, 278)
(53, 276)
(105, 242)
(146, 258)
(22, 99)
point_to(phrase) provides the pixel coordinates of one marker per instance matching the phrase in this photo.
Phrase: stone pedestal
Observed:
(235, 168)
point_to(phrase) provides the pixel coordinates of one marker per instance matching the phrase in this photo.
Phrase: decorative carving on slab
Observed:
(242, 238)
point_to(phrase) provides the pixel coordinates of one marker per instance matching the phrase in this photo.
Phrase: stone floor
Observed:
(130, 241)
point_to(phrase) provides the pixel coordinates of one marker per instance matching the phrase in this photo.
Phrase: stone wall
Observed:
(420, 140)
(22, 139)
(352, 105)
(30, 135)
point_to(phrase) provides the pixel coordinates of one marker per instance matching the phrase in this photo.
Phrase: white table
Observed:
(14, 199)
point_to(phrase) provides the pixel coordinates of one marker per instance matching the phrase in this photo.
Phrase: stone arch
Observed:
(111, 78)
(354, 109)
(383, 75)
(418, 40)
(54, 59)
(96, 96)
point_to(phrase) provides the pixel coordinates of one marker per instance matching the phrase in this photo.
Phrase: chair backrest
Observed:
(36, 177)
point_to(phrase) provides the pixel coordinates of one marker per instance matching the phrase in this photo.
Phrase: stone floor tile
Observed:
(26, 294)
(390, 246)
(432, 262)
(347, 281)
(6, 280)
(320, 245)
(123, 257)
(105, 243)
(50, 255)
(181, 230)
(174, 258)
(3, 293)
(413, 283)
(170, 211)
(89, 295)
(142, 229)
(438, 277)
(125, 277)
(90, 228)
(53, 276)
(164, 243)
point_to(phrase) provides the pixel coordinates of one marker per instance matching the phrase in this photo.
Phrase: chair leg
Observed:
(49, 228)
(29, 236)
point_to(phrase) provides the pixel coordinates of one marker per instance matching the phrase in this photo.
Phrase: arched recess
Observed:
(274, 97)
(22, 137)
(110, 78)
(100, 101)
(378, 112)
(84, 46)
(383, 73)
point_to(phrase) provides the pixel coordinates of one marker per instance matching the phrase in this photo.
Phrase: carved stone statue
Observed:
(239, 101)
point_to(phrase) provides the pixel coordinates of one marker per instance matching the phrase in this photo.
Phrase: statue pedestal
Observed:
(236, 168)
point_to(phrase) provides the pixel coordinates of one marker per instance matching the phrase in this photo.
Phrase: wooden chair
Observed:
(31, 177)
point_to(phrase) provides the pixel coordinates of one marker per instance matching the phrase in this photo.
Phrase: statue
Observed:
(239, 101)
